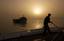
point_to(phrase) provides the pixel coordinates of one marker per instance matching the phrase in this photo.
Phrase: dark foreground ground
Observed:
(53, 36)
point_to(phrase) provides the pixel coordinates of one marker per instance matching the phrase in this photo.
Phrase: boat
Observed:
(21, 20)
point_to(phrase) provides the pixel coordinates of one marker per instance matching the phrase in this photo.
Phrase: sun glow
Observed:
(38, 10)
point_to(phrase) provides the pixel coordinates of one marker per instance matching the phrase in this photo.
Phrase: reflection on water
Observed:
(30, 25)
(8, 26)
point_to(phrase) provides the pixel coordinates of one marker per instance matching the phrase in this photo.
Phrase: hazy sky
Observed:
(15, 8)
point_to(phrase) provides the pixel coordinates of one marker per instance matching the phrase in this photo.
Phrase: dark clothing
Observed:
(46, 27)
(46, 20)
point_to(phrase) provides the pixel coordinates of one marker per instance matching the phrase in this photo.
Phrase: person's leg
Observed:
(45, 30)
(48, 29)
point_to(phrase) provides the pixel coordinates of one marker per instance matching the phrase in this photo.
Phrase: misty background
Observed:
(14, 9)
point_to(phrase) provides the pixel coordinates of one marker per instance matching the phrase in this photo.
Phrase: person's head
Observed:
(49, 14)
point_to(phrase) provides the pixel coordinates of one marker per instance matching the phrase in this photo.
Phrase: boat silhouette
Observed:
(21, 20)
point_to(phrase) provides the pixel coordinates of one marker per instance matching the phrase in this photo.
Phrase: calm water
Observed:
(7, 25)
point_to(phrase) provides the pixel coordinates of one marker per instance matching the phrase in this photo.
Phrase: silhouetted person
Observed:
(46, 21)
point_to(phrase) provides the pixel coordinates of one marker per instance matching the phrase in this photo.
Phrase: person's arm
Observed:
(50, 21)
